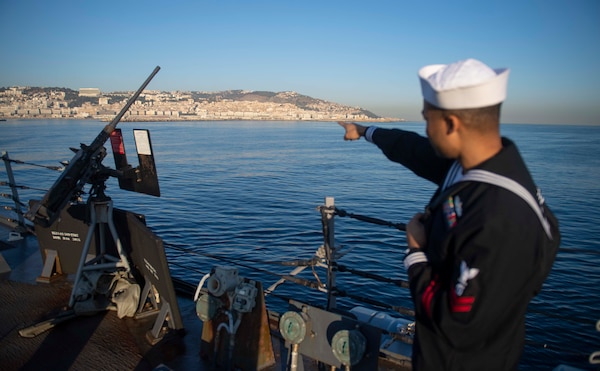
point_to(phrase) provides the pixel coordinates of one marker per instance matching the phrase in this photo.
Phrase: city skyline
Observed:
(155, 105)
(364, 54)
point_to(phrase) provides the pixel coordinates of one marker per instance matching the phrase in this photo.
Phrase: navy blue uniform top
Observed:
(486, 256)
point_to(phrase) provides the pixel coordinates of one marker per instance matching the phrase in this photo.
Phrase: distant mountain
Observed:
(299, 100)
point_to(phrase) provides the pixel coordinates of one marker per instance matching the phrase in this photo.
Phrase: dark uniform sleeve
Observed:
(413, 151)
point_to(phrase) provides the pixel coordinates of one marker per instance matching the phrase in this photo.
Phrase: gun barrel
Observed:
(108, 129)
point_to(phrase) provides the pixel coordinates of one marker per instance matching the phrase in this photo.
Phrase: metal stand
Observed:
(101, 216)
(164, 313)
(52, 269)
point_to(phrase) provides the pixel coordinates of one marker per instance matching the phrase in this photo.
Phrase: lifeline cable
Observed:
(299, 281)
(577, 250)
(376, 277)
(2, 183)
(13, 209)
(368, 219)
(6, 195)
(402, 227)
(56, 168)
(289, 263)
(10, 220)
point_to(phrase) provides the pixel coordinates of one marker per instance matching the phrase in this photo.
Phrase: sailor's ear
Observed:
(453, 123)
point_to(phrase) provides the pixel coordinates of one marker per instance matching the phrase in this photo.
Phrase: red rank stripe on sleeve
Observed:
(428, 295)
(461, 304)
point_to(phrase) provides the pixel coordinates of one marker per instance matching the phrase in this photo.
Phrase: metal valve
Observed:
(224, 279)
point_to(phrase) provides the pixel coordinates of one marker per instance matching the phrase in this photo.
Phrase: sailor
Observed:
(487, 241)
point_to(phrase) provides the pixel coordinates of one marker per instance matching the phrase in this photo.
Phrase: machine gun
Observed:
(107, 252)
(85, 164)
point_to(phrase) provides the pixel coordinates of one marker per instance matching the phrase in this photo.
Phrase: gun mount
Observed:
(109, 244)
(82, 167)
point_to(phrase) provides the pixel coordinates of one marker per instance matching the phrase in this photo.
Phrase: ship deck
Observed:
(98, 341)
(102, 340)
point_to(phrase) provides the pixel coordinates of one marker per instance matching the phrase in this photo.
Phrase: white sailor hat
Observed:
(464, 84)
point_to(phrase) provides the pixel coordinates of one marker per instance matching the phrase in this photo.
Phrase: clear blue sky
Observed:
(359, 53)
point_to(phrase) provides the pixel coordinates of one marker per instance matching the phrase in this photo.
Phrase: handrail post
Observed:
(327, 219)
(15, 194)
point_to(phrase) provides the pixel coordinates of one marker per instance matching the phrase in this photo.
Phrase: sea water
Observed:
(246, 193)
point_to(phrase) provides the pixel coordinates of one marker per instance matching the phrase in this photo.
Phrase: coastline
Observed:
(60, 103)
(202, 119)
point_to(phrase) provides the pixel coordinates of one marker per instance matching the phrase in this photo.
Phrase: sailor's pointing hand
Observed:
(353, 131)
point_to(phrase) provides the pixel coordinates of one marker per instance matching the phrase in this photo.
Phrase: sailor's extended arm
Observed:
(404, 147)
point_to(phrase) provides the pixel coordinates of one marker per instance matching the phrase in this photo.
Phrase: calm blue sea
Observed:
(249, 192)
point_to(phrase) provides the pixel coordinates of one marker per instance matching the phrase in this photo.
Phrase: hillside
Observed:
(153, 105)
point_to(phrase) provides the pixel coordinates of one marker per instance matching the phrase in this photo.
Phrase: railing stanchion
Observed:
(327, 219)
(15, 194)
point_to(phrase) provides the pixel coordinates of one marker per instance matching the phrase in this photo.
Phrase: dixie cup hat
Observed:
(464, 84)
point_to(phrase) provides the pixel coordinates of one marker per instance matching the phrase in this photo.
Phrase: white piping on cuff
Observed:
(414, 258)
(369, 133)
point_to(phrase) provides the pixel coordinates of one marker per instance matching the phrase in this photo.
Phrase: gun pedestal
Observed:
(101, 217)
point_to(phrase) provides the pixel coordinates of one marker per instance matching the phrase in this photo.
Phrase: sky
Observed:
(357, 53)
